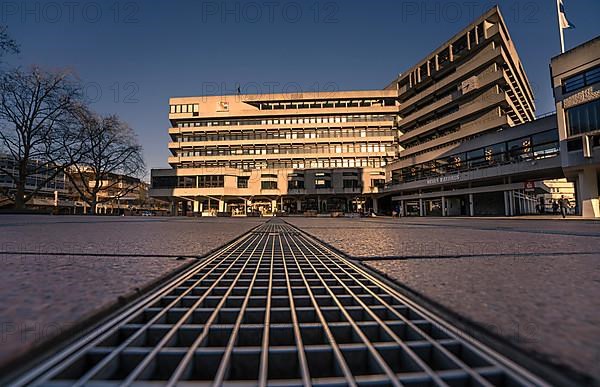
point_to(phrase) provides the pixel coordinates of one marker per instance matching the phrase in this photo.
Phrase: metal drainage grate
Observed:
(276, 307)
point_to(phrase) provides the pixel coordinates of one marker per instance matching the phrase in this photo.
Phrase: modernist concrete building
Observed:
(334, 151)
(576, 85)
(279, 152)
(472, 84)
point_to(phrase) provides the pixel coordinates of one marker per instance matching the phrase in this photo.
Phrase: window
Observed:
(186, 182)
(268, 185)
(378, 183)
(187, 108)
(209, 181)
(351, 183)
(322, 183)
(296, 184)
(242, 181)
(582, 80)
(583, 118)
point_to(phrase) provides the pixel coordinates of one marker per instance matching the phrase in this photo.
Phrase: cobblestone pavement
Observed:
(44, 295)
(533, 282)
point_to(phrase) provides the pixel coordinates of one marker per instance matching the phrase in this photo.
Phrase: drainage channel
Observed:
(277, 307)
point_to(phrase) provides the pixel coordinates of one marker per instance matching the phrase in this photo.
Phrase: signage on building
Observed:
(529, 186)
(443, 179)
(222, 106)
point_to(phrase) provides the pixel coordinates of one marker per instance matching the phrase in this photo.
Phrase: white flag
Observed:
(564, 22)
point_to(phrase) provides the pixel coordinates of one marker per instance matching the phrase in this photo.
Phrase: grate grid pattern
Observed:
(277, 308)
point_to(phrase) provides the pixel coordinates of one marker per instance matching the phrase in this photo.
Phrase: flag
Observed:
(564, 22)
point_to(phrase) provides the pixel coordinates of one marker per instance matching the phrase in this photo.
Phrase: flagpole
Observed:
(560, 28)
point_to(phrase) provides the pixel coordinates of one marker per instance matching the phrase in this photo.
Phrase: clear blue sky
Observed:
(134, 55)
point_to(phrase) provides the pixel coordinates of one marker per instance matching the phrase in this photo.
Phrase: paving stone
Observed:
(43, 296)
(547, 305)
(403, 238)
(119, 235)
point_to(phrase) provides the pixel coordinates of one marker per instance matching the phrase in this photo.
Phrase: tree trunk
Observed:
(20, 197)
(20, 194)
(93, 205)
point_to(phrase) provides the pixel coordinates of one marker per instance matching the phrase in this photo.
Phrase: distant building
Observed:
(122, 195)
(119, 195)
(52, 192)
(576, 85)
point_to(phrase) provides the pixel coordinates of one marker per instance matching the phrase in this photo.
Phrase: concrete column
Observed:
(221, 205)
(507, 204)
(471, 205)
(196, 206)
(421, 209)
(298, 205)
(511, 198)
(402, 209)
(201, 207)
(184, 207)
(375, 205)
(520, 203)
(588, 202)
(444, 206)
(273, 206)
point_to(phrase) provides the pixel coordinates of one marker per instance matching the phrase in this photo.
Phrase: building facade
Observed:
(471, 85)
(343, 151)
(576, 85)
(52, 188)
(292, 153)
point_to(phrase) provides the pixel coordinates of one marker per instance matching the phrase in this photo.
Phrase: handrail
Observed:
(473, 165)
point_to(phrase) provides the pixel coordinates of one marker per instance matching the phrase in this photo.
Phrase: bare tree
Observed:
(111, 157)
(36, 112)
(7, 44)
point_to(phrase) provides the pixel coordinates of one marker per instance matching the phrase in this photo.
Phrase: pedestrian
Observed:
(563, 203)
(554, 207)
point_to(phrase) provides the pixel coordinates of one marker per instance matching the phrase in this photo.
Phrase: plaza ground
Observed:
(532, 282)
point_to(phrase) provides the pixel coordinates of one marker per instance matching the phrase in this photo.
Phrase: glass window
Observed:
(579, 81)
(268, 185)
(583, 118)
(242, 181)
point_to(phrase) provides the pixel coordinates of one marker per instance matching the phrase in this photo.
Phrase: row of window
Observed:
(291, 120)
(584, 118)
(458, 48)
(287, 149)
(430, 136)
(538, 146)
(186, 108)
(287, 164)
(582, 80)
(200, 181)
(284, 134)
(326, 104)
